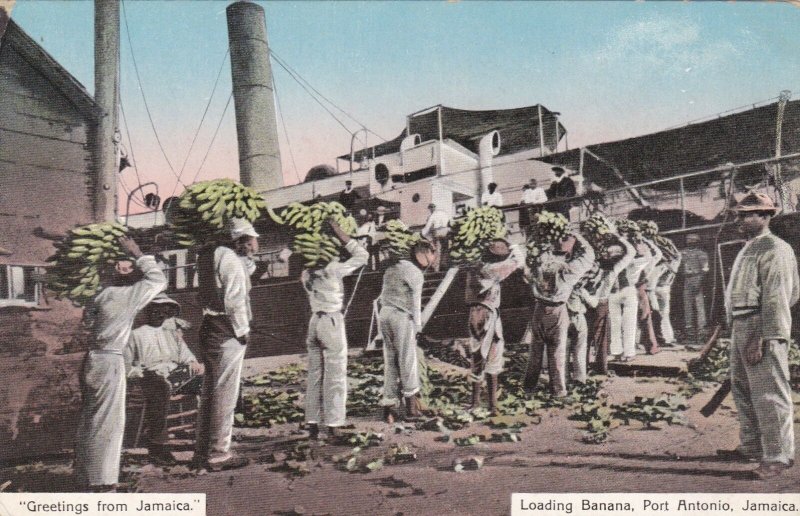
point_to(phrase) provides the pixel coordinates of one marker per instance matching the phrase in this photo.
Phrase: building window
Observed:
(18, 285)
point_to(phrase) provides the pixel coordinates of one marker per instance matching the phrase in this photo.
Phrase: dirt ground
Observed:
(550, 457)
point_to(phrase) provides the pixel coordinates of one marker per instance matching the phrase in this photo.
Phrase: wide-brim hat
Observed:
(163, 299)
(241, 227)
(381, 209)
(756, 201)
(693, 238)
(558, 169)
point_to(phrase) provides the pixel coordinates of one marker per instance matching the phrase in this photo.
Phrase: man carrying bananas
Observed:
(552, 282)
(400, 323)
(326, 394)
(486, 343)
(646, 283)
(623, 300)
(126, 290)
(224, 289)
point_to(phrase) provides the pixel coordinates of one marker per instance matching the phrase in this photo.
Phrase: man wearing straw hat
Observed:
(763, 287)
(155, 354)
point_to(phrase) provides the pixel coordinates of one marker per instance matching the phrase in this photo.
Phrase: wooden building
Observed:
(46, 122)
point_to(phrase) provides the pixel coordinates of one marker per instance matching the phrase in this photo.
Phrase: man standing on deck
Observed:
(764, 285)
(695, 268)
(224, 281)
(102, 420)
(562, 187)
(552, 283)
(435, 231)
(486, 344)
(326, 387)
(400, 323)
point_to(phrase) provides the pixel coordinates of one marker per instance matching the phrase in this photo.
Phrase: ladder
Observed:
(433, 291)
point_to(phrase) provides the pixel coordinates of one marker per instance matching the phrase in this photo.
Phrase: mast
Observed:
(106, 95)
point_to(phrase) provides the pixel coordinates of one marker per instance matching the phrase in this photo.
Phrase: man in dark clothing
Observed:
(348, 196)
(562, 187)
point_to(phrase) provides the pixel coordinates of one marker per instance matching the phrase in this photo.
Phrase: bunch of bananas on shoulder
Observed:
(547, 230)
(75, 265)
(629, 229)
(317, 247)
(205, 208)
(595, 229)
(400, 239)
(650, 230)
(472, 232)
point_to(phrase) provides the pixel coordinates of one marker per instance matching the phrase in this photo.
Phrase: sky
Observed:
(612, 69)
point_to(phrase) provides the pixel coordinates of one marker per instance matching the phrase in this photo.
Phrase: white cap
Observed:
(241, 227)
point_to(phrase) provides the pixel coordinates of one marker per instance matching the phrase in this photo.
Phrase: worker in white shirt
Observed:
(435, 231)
(154, 354)
(493, 197)
(224, 289)
(101, 424)
(532, 194)
(326, 386)
(400, 322)
(366, 233)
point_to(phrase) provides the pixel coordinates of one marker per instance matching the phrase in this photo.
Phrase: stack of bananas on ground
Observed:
(317, 247)
(75, 270)
(548, 229)
(204, 209)
(400, 239)
(472, 232)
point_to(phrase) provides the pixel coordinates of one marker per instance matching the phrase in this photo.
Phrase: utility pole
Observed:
(106, 95)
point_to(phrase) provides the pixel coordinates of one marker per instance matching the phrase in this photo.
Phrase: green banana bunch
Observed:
(204, 209)
(74, 273)
(472, 232)
(400, 239)
(629, 229)
(596, 229)
(648, 228)
(317, 247)
(548, 229)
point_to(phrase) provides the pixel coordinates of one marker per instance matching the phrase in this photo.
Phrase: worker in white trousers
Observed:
(623, 304)
(326, 386)
(400, 323)
(764, 285)
(224, 288)
(101, 425)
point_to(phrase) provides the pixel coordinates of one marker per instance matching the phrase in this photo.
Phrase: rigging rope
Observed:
(213, 138)
(295, 72)
(285, 131)
(202, 119)
(144, 98)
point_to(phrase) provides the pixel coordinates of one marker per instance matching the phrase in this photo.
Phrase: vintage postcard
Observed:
(418, 258)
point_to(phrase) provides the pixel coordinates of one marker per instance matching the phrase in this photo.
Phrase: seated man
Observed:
(155, 353)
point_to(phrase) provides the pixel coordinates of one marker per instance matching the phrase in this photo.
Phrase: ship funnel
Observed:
(253, 97)
(488, 148)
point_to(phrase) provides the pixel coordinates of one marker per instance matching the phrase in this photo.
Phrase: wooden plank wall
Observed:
(44, 159)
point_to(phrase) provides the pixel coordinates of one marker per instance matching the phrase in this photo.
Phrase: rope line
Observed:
(144, 98)
(277, 60)
(213, 138)
(202, 119)
(351, 117)
(285, 131)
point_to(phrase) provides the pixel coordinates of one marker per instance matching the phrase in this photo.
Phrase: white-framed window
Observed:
(18, 285)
